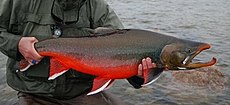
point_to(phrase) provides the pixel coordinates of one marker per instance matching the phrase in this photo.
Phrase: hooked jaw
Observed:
(187, 62)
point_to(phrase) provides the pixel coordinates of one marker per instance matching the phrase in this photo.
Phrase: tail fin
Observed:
(24, 65)
(151, 75)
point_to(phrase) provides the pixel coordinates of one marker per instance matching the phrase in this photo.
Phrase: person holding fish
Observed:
(25, 22)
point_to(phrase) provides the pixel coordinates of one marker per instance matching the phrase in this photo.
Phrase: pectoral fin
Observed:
(151, 75)
(100, 84)
(56, 69)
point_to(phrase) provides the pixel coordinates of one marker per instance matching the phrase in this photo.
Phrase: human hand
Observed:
(26, 48)
(145, 67)
(145, 74)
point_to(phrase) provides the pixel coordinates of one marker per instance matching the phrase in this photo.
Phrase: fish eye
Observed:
(188, 50)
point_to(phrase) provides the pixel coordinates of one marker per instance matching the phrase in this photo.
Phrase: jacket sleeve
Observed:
(8, 41)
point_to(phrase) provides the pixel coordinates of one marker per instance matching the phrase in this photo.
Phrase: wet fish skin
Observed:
(110, 54)
(117, 54)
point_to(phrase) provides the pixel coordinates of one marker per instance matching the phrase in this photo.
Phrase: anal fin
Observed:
(100, 84)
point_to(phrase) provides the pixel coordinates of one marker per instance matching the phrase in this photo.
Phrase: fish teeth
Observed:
(185, 60)
(181, 68)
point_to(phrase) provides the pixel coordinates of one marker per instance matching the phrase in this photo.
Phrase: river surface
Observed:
(199, 20)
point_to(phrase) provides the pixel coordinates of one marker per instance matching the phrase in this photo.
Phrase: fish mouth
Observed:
(188, 64)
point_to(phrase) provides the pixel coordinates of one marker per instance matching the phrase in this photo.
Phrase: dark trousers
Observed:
(103, 98)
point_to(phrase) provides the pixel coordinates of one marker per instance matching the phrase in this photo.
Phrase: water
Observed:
(200, 20)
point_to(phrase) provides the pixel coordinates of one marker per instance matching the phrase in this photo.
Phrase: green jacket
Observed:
(23, 18)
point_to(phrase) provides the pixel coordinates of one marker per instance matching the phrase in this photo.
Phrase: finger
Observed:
(140, 71)
(149, 62)
(36, 56)
(34, 62)
(29, 60)
(35, 53)
(154, 65)
(144, 64)
(35, 40)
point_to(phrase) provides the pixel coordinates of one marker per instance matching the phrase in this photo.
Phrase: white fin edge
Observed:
(56, 75)
(27, 67)
(100, 89)
(152, 80)
(110, 84)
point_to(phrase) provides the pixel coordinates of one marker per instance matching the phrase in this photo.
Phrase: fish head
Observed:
(179, 55)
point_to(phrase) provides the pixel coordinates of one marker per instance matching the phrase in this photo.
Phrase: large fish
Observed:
(116, 55)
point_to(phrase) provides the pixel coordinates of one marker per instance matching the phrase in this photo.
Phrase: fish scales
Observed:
(117, 54)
